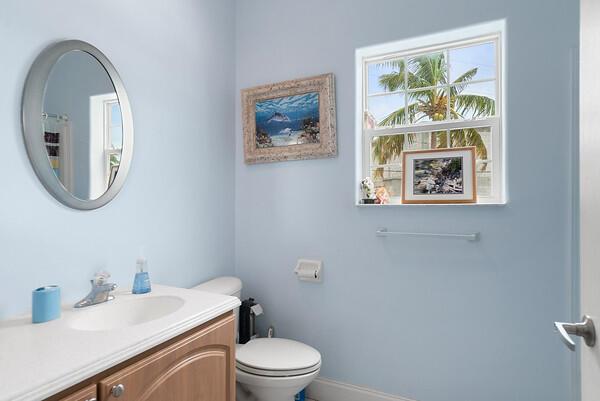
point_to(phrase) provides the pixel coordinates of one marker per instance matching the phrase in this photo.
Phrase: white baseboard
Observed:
(322, 389)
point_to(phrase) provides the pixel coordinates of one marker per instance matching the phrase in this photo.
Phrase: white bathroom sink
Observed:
(121, 313)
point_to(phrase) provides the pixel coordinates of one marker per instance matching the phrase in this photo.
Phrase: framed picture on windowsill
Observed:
(439, 176)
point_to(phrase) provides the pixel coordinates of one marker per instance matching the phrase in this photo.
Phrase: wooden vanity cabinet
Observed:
(197, 366)
(86, 394)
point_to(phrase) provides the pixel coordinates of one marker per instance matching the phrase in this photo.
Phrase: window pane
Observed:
(481, 138)
(385, 76)
(438, 140)
(389, 177)
(427, 105)
(385, 110)
(418, 141)
(388, 149)
(115, 114)
(478, 62)
(427, 70)
(116, 128)
(484, 179)
(474, 100)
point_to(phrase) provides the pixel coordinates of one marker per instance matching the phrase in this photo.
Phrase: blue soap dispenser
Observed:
(141, 282)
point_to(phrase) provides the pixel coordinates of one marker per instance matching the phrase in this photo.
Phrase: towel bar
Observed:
(383, 232)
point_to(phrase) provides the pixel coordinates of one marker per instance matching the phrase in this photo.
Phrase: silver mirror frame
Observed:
(31, 112)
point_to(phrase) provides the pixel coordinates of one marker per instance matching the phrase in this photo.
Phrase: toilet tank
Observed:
(231, 286)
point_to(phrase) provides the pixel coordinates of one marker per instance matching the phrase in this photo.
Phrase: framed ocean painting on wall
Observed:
(290, 120)
(439, 176)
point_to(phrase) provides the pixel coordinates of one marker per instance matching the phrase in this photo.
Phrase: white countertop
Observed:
(40, 360)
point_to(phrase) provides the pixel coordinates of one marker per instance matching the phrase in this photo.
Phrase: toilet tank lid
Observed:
(221, 285)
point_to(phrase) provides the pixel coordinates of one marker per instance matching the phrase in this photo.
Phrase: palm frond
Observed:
(469, 137)
(461, 82)
(393, 80)
(439, 140)
(428, 70)
(401, 116)
(466, 77)
(386, 148)
(478, 105)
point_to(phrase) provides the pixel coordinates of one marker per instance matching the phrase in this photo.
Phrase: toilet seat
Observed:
(277, 373)
(277, 357)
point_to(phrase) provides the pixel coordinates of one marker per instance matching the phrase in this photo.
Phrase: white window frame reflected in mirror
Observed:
(101, 148)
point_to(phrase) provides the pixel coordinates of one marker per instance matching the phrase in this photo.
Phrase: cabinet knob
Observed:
(117, 390)
(91, 399)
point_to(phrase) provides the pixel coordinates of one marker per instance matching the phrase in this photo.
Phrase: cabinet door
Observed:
(200, 367)
(86, 394)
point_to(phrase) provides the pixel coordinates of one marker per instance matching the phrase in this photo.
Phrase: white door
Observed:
(590, 191)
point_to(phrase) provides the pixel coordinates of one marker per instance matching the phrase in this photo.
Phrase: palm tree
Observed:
(426, 72)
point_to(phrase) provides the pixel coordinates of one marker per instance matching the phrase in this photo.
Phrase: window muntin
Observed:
(436, 98)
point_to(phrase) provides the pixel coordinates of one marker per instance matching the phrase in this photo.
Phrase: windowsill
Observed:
(431, 204)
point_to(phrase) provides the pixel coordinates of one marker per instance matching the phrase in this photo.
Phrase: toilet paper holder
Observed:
(309, 270)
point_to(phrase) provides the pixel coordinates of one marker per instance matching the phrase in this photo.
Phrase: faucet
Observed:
(100, 291)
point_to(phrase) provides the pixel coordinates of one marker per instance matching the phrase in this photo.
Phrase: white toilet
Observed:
(268, 369)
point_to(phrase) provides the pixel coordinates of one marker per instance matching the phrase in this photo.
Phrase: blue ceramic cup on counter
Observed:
(45, 304)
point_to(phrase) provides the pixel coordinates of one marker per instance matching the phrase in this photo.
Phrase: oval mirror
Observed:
(77, 124)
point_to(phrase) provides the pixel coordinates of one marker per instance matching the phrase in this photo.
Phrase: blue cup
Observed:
(45, 304)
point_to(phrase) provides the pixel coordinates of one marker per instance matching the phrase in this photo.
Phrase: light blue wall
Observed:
(176, 60)
(432, 320)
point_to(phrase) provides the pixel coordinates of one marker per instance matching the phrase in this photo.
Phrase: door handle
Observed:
(585, 329)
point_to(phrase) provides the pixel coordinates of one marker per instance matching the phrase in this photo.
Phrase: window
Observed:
(432, 93)
(106, 144)
(113, 137)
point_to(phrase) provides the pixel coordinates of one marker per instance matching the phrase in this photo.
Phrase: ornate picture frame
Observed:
(290, 120)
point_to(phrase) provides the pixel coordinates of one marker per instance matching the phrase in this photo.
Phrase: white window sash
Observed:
(427, 88)
(494, 123)
(433, 127)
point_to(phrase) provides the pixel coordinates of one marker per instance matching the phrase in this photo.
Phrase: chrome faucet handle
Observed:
(100, 277)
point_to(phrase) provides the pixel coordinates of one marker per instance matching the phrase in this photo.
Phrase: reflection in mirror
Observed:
(82, 124)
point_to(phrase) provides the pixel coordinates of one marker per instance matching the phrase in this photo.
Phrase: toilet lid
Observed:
(277, 354)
